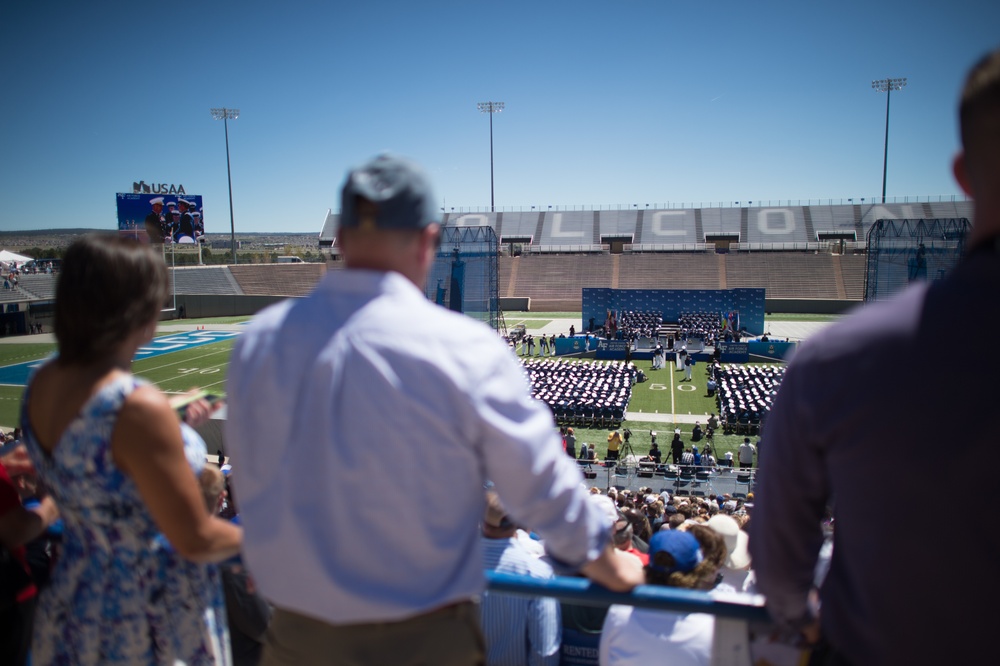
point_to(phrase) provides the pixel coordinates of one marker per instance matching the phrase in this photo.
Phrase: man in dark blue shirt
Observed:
(882, 600)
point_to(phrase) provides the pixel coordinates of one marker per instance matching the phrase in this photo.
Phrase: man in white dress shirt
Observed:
(443, 407)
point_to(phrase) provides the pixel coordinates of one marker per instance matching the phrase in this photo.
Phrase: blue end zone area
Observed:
(17, 375)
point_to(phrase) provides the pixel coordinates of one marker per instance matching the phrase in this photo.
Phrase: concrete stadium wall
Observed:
(215, 305)
(808, 305)
(211, 305)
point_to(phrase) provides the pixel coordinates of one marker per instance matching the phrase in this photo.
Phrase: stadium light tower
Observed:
(887, 86)
(491, 108)
(225, 115)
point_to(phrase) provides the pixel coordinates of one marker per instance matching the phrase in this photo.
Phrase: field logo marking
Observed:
(18, 374)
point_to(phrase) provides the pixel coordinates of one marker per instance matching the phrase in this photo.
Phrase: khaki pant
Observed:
(449, 636)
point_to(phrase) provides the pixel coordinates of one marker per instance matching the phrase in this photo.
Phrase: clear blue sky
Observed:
(636, 101)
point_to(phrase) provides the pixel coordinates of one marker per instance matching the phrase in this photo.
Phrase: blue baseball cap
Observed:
(681, 546)
(399, 189)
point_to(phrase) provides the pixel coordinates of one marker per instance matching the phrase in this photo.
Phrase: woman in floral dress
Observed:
(133, 583)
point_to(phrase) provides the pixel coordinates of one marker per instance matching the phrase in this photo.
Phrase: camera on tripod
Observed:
(626, 433)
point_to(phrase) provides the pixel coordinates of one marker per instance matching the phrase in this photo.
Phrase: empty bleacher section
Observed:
(835, 220)
(781, 225)
(554, 282)
(41, 286)
(721, 221)
(277, 279)
(619, 224)
(664, 228)
(784, 275)
(574, 230)
(697, 270)
(913, 211)
(950, 209)
(852, 268)
(521, 224)
(13, 295)
(205, 280)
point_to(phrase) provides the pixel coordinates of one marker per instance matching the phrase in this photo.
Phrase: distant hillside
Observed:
(61, 238)
(47, 232)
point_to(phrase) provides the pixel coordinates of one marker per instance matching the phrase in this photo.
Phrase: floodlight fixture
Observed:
(225, 115)
(887, 86)
(491, 108)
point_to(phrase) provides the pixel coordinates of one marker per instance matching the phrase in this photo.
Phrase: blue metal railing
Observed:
(748, 607)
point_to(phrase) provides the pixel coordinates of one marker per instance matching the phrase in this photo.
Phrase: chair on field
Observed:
(672, 478)
(686, 477)
(702, 483)
(744, 480)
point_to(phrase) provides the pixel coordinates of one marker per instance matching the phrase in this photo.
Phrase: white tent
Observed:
(6, 256)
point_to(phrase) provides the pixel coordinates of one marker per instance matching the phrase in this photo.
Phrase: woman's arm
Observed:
(147, 446)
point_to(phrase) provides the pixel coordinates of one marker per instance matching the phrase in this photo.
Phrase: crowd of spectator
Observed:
(518, 630)
(12, 269)
(645, 524)
(10, 279)
(34, 536)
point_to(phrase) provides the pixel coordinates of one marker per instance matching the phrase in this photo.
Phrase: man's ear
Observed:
(430, 241)
(958, 168)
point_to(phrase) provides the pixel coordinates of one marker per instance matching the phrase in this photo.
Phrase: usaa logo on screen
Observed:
(156, 188)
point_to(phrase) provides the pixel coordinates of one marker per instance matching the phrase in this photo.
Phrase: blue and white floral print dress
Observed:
(118, 594)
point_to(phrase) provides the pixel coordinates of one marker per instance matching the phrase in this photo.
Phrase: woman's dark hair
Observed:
(640, 524)
(109, 286)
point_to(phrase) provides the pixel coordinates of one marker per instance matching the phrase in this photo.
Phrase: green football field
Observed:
(176, 372)
(664, 394)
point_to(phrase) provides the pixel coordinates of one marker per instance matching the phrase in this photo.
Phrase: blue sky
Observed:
(636, 101)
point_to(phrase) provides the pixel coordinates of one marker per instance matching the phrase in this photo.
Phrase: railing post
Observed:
(731, 643)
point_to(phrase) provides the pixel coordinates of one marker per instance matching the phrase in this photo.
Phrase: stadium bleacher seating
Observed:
(669, 271)
(277, 279)
(40, 286)
(814, 275)
(766, 223)
(205, 280)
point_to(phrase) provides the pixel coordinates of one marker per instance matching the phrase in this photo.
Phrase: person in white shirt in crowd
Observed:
(685, 558)
(746, 453)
